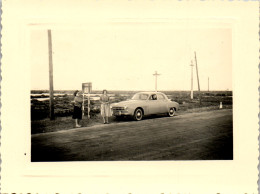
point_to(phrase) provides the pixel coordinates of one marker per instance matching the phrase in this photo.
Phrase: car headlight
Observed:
(125, 107)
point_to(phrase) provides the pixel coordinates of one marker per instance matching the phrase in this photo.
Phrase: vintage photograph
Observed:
(131, 91)
(129, 97)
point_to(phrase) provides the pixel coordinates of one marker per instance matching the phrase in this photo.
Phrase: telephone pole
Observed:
(208, 84)
(197, 77)
(191, 92)
(51, 76)
(156, 74)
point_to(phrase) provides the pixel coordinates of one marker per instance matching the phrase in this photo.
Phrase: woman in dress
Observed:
(105, 106)
(77, 113)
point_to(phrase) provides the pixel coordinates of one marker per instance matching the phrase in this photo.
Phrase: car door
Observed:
(162, 103)
(153, 106)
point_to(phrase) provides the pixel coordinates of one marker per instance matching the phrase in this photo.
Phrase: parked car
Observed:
(145, 103)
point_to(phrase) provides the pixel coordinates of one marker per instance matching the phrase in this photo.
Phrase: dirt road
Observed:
(193, 136)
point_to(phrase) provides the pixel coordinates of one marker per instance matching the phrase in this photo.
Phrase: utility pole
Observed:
(191, 92)
(51, 76)
(156, 74)
(208, 84)
(197, 77)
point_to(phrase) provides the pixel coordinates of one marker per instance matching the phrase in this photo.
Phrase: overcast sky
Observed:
(124, 57)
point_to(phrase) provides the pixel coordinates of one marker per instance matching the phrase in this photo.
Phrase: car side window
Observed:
(160, 97)
(143, 97)
(153, 97)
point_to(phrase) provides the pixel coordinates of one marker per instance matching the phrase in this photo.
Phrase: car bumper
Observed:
(121, 113)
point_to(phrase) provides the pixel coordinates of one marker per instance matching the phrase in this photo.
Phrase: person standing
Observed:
(77, 113)
(105, 106)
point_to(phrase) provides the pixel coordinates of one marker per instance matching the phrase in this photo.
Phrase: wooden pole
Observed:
(208, 84)
(51, 76)
(198, 77)
(191, 92)
(156, 74)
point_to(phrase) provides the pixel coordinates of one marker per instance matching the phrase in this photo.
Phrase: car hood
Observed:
(127, 102)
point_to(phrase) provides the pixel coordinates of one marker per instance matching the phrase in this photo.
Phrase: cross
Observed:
(156, 74)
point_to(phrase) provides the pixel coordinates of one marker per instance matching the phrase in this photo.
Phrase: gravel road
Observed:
(204, 135)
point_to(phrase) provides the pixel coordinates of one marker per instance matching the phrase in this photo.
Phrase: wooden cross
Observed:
(156, 74)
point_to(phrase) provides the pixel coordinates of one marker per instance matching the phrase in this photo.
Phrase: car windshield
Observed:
(140, 96)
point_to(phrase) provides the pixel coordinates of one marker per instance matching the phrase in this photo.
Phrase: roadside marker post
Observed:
(220, 105)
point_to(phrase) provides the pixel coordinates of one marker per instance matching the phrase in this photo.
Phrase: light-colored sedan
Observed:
(145, 103)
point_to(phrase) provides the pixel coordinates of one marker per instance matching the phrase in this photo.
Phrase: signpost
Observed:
(86, 89)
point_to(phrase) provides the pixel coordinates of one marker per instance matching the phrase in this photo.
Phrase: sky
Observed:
(125, 57)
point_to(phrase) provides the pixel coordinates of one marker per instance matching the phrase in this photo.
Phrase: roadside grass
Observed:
(62, 123)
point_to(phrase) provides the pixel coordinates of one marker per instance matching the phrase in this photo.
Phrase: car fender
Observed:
(173, 104)
(144, 108)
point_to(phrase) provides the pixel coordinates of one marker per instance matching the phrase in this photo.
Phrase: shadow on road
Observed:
(130, 119)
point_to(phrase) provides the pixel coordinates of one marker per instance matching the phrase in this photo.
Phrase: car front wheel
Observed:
(171, 112)
(138, 115)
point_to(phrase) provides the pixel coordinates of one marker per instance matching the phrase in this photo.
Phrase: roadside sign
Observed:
(87, 87)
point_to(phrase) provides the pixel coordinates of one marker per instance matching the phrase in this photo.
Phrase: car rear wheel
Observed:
(138, 115)
(171, 112)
